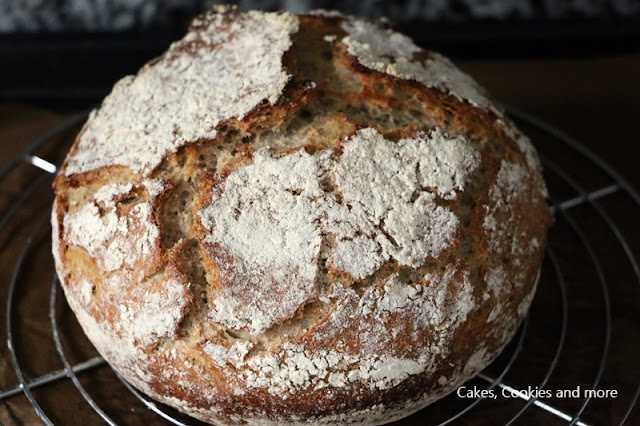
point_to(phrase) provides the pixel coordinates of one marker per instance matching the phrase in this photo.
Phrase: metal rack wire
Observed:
(499, 376)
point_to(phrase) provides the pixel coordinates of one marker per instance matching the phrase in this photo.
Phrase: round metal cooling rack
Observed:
(560, 345)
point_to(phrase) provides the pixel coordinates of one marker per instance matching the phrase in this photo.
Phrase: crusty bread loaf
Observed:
(290, 219)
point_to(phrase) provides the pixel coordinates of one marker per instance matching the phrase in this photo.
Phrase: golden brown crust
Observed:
(152, 263)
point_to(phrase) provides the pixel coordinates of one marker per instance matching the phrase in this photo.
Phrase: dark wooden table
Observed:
(594, 99)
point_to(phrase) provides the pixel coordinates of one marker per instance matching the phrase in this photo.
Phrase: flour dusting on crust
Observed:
(265, 222)
(378, 180)
(106, 236)
(293, 369)
(142, 323)
(501, 221)
(524, 144)
(222, 69)
(445, 162)
(430, 303)
(120, 352)
(440, 301)
(392, 53)
(154, 311)
(497, 285)
(147, 308)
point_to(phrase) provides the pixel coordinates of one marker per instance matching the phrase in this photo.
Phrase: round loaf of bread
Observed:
(299, 219)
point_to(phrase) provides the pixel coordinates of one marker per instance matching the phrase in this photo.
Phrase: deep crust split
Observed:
(164, 286)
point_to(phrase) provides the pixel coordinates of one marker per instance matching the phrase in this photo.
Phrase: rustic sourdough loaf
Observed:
(289, 219)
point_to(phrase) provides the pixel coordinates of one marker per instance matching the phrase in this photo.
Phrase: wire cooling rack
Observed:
(581, 333)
